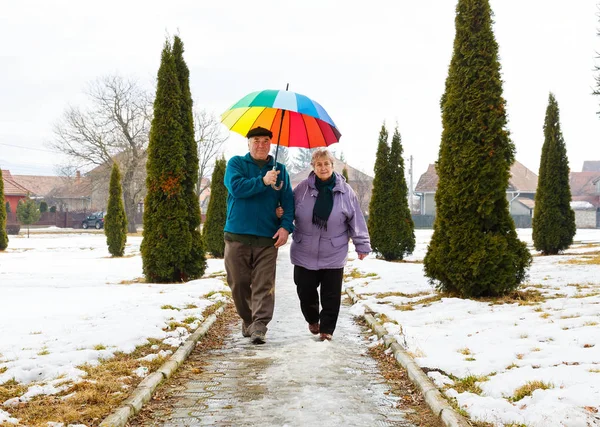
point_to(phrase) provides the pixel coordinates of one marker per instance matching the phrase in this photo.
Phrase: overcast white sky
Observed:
(365, 62)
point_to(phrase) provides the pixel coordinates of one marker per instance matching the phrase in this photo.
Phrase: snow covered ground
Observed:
(65, 302)
(498, 348)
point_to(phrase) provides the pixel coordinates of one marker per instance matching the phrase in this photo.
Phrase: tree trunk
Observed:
(129, 200)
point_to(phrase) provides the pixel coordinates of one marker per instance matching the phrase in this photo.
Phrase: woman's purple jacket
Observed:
(316, 249)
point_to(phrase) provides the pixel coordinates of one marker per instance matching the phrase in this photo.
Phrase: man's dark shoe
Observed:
(245, 332)
(313, 328)
(258, 337)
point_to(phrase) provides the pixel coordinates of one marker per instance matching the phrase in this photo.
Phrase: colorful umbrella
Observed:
(303, 122)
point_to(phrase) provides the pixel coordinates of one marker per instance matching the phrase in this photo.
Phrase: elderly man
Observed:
(253, 232)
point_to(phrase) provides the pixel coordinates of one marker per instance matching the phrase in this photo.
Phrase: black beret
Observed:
(259, 131)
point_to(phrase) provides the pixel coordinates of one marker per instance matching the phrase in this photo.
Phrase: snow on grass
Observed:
(66, 302)
(535, 355)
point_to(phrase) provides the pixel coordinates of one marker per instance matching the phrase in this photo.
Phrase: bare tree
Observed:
(114, 128)
(210, 140)
(362, 184)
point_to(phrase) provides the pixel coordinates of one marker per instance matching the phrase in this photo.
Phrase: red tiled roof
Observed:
(521, 179)
(428, 181)
(13, 188)
(582, 183)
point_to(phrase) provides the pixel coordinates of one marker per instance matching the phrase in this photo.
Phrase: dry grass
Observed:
(132, 281)
(465, 351)
(399, 294)
(588, 258)
(468, 383)
(524, 297)
(401, 386)
(356, 274)
(511, 366)
(528, 389)
(89, 401)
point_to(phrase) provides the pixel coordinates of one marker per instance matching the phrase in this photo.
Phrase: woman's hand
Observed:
(279, 212)
(362, 256)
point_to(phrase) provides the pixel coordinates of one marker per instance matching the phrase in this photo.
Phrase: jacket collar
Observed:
(248, 158)
(339, 182)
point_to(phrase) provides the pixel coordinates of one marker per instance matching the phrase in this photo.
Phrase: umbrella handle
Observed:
(274, 186)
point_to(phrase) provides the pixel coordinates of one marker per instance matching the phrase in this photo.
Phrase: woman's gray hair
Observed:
(319, 153)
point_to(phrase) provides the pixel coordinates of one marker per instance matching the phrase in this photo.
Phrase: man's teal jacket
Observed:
(251, 204)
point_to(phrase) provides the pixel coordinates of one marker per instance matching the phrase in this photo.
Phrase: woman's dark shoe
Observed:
(313, 328)
(326, 337)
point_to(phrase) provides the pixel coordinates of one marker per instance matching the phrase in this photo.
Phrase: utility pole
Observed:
(410, 188)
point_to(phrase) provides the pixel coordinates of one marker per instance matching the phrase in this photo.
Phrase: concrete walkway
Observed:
(292, 380)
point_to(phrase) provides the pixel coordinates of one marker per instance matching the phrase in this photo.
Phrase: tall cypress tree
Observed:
(554, 220)
(195, 263)
(167, 238)
(212, 232)
(378, 207)
(115, 221)
(401, 228)
(474, 250)
(3, 233)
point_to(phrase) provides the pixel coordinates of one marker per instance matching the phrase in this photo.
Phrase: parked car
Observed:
(95, 220)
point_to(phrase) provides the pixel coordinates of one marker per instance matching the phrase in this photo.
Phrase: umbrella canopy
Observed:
(305, 123)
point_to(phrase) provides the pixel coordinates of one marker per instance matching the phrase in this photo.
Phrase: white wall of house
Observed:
(585, 218)
(428, 207)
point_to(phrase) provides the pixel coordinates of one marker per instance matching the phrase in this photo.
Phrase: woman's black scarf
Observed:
(324, 202)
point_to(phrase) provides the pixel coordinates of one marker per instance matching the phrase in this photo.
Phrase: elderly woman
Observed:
(327, 214)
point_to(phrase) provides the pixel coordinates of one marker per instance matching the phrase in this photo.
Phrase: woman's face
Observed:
(323, 168)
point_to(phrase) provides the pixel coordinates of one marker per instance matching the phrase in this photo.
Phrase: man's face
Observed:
(259, 147)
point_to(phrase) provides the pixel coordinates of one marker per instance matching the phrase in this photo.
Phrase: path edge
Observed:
(433, 397)
(143, 392)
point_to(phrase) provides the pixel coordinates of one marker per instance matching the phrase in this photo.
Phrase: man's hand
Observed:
(281, 236)
(362, 256)
(279, 212)
(271, 177)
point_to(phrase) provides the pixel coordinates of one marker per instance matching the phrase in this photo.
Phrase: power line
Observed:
(29, 148)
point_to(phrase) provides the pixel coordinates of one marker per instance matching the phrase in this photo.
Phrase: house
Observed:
(13, 191)
(361, 183)
(520, 193)
(585, 187)
(591, 166)
(585, 195)
(71, 194)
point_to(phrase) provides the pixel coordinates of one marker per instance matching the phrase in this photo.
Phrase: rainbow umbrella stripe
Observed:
(305, 124)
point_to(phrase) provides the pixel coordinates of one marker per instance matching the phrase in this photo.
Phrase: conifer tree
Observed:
(474, 250)
(115, 221)
(43, 207)
(195, 263)
(28, 212)
(3, 210)
(212, 231)
(553, 220)
(378, 207)
(345, 174)
(167, 238)
(401, 228)
(302, 159)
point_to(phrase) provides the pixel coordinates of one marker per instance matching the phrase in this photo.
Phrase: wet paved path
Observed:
(292, 380)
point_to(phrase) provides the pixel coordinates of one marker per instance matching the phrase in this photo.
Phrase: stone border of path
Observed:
(434, 399)
(143, 392)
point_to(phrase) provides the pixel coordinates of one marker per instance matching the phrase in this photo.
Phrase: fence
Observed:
(57, 219)
(426, 221)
